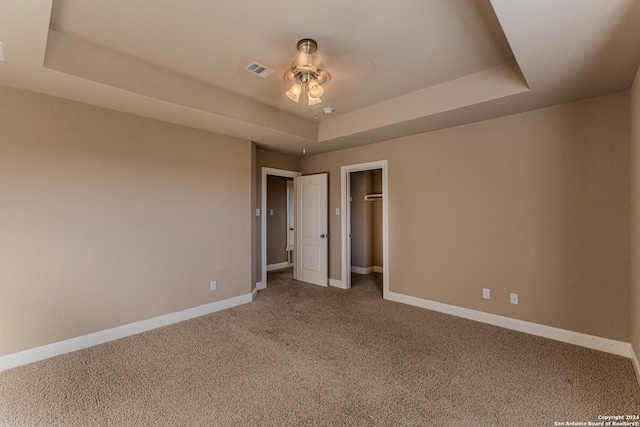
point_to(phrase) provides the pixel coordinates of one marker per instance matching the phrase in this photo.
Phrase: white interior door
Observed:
(312, 257)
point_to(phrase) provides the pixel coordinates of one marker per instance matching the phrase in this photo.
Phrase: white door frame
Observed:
(265, 172)
(346, 220)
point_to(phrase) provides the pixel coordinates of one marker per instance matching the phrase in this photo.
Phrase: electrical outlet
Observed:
(514, 299)
(486, 293)
(214, 285)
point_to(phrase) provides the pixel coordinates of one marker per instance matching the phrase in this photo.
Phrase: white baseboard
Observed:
(636, 364)
(361, 270)
(254, 293)
(619, 348)
(336, 283)
(260, 286)
(84, 341)
(278, 266)
(367, 270)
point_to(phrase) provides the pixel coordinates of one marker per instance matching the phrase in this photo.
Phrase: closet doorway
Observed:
(365, 222)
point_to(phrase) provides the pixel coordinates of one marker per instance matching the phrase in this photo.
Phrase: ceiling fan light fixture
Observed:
(314, 101)
(307, 74)
(294, 92)
(315, 89)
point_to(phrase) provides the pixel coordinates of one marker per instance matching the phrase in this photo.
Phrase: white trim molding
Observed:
(619, 348)
(278, 266)
(367, 270)
(346, 214)
(337, 283)
(254, 293)
(84, 341)
(260, 286)
(361, 270)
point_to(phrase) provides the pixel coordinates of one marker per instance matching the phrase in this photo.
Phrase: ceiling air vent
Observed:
(259, 69)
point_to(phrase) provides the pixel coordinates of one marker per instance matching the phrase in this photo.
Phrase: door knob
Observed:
(322, 236)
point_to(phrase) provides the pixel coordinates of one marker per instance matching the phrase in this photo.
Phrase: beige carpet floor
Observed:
(306, 355)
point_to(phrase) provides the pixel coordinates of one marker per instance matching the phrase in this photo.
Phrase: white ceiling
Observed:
(389, 49)
(397, 68)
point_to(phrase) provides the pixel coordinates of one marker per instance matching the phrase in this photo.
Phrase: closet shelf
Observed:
(372, 197)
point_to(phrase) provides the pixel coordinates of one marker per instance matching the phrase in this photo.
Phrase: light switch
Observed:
(257, 212)
(271, 212)
(337, 211)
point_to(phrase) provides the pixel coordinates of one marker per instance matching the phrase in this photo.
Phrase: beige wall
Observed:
(276, 223)
(108, 218)
(535, 203)
(635, 215)
(269, 160)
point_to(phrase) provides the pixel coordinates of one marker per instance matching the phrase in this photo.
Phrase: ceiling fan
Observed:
(307, 77)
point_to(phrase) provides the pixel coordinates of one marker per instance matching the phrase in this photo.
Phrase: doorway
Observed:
(371, 193)
(366, 227)
(265, 213)
(279, 222)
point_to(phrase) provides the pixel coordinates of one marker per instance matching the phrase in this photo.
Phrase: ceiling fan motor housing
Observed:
(307, 67)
